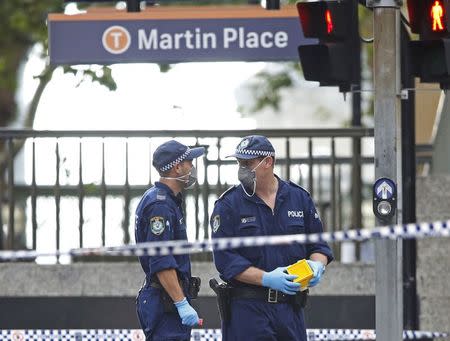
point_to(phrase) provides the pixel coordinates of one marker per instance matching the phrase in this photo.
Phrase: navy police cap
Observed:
(253, 146)
(172, 152)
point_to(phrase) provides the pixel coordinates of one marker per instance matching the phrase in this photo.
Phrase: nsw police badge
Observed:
(244, 144)
(157, 225)
(215, 223)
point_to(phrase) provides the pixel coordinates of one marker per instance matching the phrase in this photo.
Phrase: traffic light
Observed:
(335, 59)
(431, 53)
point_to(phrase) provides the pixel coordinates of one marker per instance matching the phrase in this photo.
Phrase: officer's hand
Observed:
(188, 315)
(279, 280)
(318, 269)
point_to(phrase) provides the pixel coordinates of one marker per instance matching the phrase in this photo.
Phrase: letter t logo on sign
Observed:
(116, 39)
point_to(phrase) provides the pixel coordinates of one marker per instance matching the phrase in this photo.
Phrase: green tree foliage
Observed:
(23, 25)
(266, 86)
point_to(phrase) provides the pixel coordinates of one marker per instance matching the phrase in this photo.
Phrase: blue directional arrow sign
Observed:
(384, 188)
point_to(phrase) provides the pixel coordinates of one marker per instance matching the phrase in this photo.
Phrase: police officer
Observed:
(264, 298)
(163, 303)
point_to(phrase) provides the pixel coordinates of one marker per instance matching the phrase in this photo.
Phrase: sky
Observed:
(190, 96)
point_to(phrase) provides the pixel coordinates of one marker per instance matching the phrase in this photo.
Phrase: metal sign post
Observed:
(388, 268)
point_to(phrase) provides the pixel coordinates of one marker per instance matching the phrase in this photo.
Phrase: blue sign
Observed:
(384, 189)
(158, 37)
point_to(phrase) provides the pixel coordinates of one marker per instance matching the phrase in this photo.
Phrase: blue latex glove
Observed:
(189, 316)
(279, 280)
(318, 269)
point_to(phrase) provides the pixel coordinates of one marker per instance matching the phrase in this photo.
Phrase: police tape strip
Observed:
(196, 334)
(177, 247)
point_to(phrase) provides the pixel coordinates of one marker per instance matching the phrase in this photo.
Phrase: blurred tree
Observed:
(23, 27)
(266, 86)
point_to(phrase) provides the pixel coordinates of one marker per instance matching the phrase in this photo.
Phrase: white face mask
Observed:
(189, 179)
(247, 178)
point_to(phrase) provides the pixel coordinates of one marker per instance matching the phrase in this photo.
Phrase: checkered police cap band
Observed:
(179, 159)
(255, 152)
(253, 146)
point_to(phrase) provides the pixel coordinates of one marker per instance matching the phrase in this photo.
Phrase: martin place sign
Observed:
(171, 35)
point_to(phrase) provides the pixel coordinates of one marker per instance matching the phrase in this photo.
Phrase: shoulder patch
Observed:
(157, 225)
(298, 186)
(228, 191)
(215, 223)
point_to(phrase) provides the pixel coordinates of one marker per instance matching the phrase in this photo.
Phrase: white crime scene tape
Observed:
(177, 247)
(196, 334)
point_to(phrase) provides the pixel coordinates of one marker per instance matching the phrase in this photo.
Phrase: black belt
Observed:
(154, 283)
(190, 286)
(265, 294)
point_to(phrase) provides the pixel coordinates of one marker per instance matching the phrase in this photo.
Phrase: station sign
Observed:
(175, 34)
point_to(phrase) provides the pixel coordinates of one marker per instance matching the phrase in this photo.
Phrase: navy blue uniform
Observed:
(236, 214)
(159, 217)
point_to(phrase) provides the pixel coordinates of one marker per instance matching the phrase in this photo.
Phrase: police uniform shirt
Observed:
(235, 215)
(159, 217)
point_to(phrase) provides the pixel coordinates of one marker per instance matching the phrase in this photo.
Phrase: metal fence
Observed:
(54, 178)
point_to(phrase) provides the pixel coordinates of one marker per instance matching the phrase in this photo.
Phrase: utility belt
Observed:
(225, 293)
(271, 295)
(190, 286)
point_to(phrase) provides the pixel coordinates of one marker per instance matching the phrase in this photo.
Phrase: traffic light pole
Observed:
(410, 302)
(356, 122)
(388, 267)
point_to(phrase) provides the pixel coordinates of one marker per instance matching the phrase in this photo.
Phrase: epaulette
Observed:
(298, 186)
(161, 195)
(228, 191)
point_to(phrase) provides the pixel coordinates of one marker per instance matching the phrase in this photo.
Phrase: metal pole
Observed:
(11, 195)
(272, 4)
(410, 299)
(356, 164)
(133, 5)
(2, 190)
(388, 268)
(356, 221)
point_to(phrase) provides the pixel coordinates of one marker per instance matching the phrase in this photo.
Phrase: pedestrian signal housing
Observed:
(335, 59)
(430, 19)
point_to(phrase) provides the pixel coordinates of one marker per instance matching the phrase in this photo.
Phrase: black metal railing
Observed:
(321, 160)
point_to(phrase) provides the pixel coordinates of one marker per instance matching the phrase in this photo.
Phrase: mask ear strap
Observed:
(259, 163)
(179, 178)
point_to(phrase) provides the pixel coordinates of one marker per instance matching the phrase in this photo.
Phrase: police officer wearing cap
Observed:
(265, 302)
(163, 303)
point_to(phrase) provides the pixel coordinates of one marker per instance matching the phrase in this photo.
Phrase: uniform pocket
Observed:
(149, 309)
(250, 229)
(295, 226)
(295, 252)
